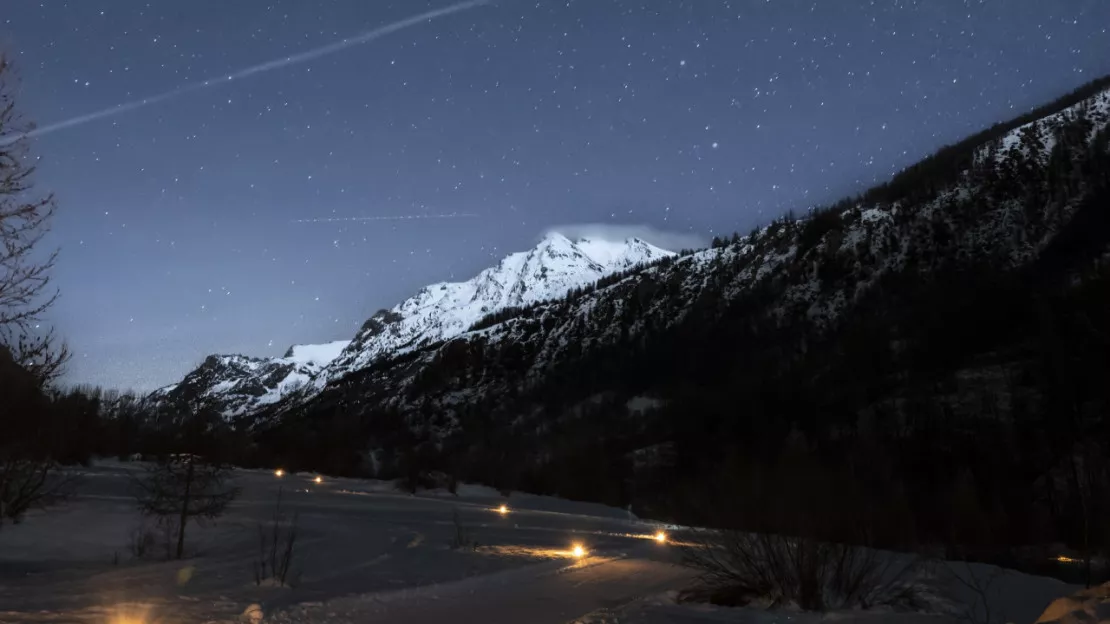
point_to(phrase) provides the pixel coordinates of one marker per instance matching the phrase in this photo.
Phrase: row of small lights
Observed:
(577, 549)
(281, 473)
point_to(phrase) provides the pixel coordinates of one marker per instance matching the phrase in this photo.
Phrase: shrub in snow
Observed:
(462, 539)
(738, 568)
(276, 546)
(142, 540)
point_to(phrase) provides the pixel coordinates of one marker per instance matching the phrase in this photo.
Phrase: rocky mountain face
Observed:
(937, 302)
(238, 385)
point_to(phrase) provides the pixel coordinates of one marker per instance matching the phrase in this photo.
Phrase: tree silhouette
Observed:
(193, 483)
(25, 292)
(29, 359)
(183, 488)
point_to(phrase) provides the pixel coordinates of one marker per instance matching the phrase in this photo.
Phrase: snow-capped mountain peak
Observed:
(555, 266)
(609, 253)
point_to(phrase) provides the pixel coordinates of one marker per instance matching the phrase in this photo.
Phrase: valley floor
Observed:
(369, 554)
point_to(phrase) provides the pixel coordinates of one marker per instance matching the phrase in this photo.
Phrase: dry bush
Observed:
(739, 568)
(277, 544)
(796, 530)
(462, 539)
(153, 538)
(142, 541)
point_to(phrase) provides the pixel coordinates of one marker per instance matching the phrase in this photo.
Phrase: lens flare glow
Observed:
(318, 480)
(279, 473)
(661, 537)
(578, 550)
(503, 509)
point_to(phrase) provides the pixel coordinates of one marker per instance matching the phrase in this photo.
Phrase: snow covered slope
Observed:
(441, 311)
(239, 384)
(1036, 139)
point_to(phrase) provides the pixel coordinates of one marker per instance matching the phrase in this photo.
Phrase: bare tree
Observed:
(25, 216)
(184, 488)
(30, 359)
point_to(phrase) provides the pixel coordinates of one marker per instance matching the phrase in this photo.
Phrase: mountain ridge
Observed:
(238, 385)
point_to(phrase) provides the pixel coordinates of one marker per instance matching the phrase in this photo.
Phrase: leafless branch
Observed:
(980, 610)
(26, 292)
(27, 484)
(276, 547)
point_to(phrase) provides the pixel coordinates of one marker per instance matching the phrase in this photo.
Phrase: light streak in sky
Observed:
(450, 215)
(286, 61)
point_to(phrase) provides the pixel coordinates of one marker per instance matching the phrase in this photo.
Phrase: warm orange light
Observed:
(1063, 559)
(504, 509)
(660, 537)
(578, 551)
(318, 480)
(279, 473)
(131, 614)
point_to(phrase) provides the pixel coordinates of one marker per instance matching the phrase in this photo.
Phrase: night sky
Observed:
(199, 223)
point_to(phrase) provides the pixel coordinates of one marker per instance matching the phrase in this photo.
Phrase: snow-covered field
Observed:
(367, 553)
(73, 563)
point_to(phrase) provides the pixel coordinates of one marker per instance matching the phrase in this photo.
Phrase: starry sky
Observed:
(287, 205)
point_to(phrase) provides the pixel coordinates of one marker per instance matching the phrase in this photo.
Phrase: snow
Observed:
(235, 380)
(321, 354)
(619, 254)
(551, 593)
(72, 563)
(1097, 107)
(1013, 597)
(369, 553)
(442, 311)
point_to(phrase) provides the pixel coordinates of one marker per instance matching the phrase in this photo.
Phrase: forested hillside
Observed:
(935, 349)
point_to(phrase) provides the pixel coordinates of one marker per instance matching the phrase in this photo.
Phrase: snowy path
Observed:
(547, 593)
